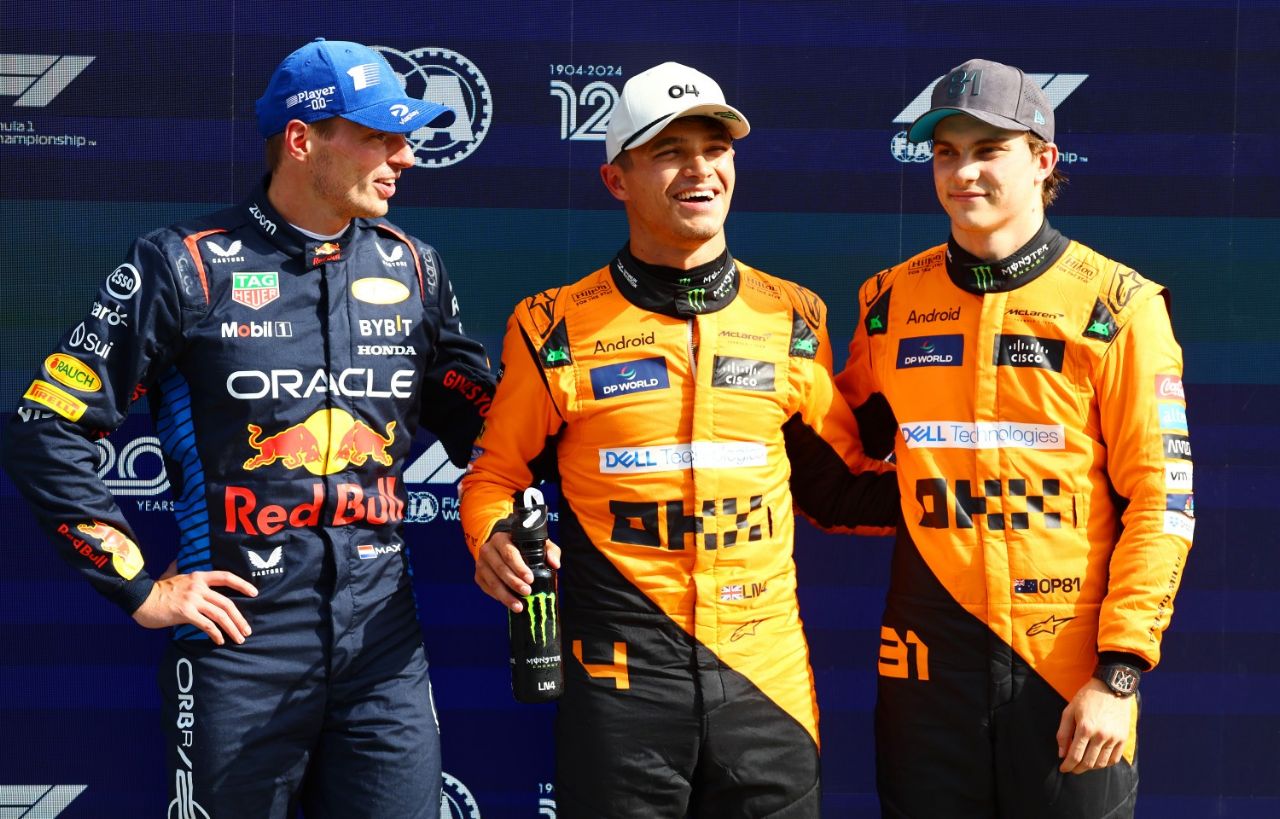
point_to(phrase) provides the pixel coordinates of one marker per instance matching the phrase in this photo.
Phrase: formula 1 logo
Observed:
(1057, 87)
(35, 79)
(38, 800)
(446, 77)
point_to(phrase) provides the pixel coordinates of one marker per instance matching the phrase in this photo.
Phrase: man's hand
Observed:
(1094, 729)
(502, 573)
(179, 599)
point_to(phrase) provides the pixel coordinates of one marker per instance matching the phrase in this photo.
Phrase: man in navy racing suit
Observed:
(289, 347)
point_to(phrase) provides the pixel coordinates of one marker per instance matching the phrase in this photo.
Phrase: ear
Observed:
(615, 181)
(1046, 162)
(296, 140)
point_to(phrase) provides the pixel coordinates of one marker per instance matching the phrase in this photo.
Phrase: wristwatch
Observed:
(1122, 679)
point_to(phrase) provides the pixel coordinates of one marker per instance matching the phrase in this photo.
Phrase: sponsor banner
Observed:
(699, 454)
(930, 351)
(982, 435)
(641, 375)
(1178, 475)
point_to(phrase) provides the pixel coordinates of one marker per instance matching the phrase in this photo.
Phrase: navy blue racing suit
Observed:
(286, 378)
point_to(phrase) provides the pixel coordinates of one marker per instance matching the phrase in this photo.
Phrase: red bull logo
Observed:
(327, 252)
(126, 557)
(352, 504)
(323, 444)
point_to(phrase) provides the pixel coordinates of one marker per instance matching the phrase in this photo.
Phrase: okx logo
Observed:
(1057, 87)
(35, 79)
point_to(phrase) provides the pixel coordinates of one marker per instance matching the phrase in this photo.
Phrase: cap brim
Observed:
(403, 116)
(922, 129)
(732, 118)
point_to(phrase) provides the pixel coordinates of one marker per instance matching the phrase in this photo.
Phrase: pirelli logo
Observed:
(60, 401)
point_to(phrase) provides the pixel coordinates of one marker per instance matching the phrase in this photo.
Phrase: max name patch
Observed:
(641, 375)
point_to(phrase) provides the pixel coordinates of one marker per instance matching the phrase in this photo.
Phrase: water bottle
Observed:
(536, 673)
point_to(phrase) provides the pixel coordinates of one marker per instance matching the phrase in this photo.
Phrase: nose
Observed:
(699, 166)
(402, 156)
(967, 169)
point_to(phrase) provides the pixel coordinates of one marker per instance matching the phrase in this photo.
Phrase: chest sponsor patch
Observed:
(675, 457)
(743, 374)
(982, 435)
(1173, 416)
(377, 290)
(931, 351)
(640, 375)
(1177, 447)
(254, 290)
(1029, 351)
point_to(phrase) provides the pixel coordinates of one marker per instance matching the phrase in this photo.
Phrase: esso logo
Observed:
(124, 281)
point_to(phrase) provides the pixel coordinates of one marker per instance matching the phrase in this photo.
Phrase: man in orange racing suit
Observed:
(1031, 391)
(661, 384)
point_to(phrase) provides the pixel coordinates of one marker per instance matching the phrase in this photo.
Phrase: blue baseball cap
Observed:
(334, 78)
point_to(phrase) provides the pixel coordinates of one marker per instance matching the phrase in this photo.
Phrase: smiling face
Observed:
(989, 183)
(354, 170)
(676, 188)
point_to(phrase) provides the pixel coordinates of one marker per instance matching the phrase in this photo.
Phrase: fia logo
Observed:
(445, 77)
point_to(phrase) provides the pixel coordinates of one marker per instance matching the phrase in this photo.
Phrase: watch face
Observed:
(1122, 680)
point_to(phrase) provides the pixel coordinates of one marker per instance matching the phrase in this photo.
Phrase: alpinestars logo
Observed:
(35, 79)
(448, 78)
(1057, 87)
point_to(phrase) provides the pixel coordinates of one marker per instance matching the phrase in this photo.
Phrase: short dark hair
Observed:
(1053, 184)
(275, 144)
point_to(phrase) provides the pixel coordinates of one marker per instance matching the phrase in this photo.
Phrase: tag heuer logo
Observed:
(255, 289)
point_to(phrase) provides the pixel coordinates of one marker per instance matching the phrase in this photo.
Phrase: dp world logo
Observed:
(446, 77)
(1057, 87)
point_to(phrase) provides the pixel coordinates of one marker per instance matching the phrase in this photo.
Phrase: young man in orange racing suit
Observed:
(290, 347)
(662, 385)
(1031, 391)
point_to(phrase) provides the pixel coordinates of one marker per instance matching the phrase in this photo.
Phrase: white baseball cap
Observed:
(652, 99)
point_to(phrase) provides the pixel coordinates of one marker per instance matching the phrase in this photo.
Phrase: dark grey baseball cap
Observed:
(997, 94)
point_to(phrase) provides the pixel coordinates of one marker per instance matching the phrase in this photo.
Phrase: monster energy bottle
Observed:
(536, 675)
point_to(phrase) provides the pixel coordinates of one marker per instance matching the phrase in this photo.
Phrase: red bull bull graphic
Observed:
(126, 557)
(323, 444)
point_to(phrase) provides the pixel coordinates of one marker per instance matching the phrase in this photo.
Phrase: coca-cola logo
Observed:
(1170, 386)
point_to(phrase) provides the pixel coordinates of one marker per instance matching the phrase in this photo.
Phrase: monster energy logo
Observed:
(556, 355)
(804, 345)
(983, 277)
(697, 297)
(541, 606)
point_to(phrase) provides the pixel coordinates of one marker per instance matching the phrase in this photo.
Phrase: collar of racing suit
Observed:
(1024, 265)
(277, 230)
(674, 292)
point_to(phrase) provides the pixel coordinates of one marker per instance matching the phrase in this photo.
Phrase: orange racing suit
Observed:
(689, 685)
(1039, 427)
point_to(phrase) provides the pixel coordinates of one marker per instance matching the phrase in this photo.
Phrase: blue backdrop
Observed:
(118, 117)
